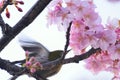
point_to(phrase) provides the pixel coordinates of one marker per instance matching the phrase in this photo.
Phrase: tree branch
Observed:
(74, 59)
(83, 56)
(60, 61)
(10, 68)
(18, 74)
(2, 24)
(28, 18)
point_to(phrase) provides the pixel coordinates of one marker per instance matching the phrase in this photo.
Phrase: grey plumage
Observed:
(35, 49)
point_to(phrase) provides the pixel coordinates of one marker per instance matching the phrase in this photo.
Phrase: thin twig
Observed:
(67, 40)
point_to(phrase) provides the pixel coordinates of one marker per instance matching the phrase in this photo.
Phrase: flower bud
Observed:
(19, 9)
(28, 64)
(26, 53)
(7, 13)
(32, 59)
(37, 64)
(32, 70)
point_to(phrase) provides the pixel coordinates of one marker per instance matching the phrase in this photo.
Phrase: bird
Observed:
(42, 55)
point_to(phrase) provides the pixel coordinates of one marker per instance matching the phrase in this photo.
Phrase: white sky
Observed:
(53, 39)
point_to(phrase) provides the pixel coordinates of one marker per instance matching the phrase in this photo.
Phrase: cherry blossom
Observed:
(98, 62)
(87, 30)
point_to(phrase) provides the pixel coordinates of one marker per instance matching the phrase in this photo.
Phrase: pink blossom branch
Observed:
(24, 22)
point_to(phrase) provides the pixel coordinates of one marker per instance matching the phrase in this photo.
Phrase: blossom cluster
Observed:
(11, 2)
(32, 64)
(88, 31)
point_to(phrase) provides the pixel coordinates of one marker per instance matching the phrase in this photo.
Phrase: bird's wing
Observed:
(35, 48)
(32, 46)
